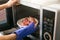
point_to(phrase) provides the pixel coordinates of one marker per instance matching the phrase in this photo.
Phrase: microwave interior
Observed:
(22, 11)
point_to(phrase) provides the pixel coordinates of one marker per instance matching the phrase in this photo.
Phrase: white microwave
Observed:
(50, 22)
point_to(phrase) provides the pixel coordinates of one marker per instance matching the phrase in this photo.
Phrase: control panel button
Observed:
(47, 36)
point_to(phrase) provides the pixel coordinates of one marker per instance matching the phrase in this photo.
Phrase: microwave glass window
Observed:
(3, 16)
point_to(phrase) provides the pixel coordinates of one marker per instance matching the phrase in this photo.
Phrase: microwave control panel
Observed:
(48, 25)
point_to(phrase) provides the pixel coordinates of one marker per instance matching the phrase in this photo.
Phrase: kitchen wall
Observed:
(42, 2)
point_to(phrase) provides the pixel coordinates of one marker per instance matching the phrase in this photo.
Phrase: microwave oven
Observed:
(50, 22)
(22, 11)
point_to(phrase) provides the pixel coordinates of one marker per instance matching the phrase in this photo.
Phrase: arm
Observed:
(8, 37)
(8, 4)
(3, 6)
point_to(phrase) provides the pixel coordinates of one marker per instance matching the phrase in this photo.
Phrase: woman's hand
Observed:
(11, 2)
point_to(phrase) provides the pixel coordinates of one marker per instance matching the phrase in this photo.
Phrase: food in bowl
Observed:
(24, 22)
